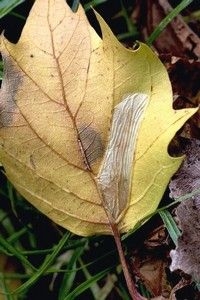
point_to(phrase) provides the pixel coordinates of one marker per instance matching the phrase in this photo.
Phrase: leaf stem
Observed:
(130, 284)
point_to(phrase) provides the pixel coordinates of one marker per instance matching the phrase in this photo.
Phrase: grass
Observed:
(63, 259)
(157, 31)
(6, 6)
(63, 265)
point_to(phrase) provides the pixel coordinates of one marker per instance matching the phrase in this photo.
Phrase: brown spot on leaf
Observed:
(32, 162)
(10, 84)
(90, 144)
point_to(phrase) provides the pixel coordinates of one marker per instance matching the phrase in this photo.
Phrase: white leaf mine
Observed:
(114, 178)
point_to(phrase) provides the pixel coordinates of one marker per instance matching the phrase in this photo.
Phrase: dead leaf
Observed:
(178, 287)
(187, 179)
(150, 263)
(156, 238)
(60, 87)
(177, 38)
(186, 256)
(152, 272)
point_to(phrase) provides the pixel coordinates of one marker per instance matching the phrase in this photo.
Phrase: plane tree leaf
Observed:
(69, 101)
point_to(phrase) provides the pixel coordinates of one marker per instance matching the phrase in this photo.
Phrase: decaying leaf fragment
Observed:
(60, 89)
(186, 256)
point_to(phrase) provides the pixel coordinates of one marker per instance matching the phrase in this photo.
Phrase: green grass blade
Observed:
(47, 263)
(123, 292)
(72, 245)
(6, 6)
(70, 274)
(15, 236)
(4, 290)
(11, 250)
(6, 224)
(159, 29)
(132, 29)
(143, 290)
(19, 16)
(170, 224)
(93, 3)
(86, 284)
(176, 201)
(95, 289)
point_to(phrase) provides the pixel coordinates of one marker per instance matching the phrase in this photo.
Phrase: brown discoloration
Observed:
(11, 81)
(90, 144)
(32, 162)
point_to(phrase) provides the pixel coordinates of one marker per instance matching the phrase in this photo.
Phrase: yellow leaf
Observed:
(60, 87)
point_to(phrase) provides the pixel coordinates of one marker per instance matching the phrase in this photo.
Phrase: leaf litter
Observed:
(186, 256)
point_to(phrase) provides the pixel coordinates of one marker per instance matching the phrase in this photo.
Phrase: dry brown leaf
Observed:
(186, 256)
(177, 38)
